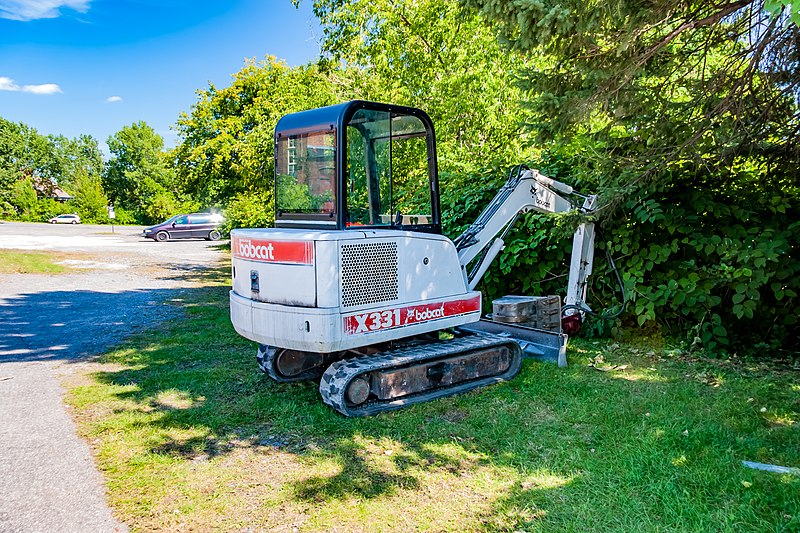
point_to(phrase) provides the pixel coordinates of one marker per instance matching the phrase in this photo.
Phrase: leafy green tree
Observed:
(90, 201)
(135, 153)
(139, 176)
(252, 210)
(685, 116)
(440, 57)
(27, 161)
(226, 148)
(25, 153)
(11, 143)
(47, 208)
(30, 162)
(692, 77)
(38, 158)
(24, 199)
(77, 158)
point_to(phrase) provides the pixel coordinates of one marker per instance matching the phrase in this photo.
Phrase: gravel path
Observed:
(49, 325)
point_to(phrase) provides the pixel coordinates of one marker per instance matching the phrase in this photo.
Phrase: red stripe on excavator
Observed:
(266, 251)
(406, 316)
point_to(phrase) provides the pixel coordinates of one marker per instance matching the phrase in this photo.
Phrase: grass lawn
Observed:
(191, 437)
(17, 262)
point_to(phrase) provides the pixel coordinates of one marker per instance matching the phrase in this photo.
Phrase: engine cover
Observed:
(326, 291)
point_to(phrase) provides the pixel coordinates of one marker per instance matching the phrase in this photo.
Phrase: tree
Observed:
(24, 199)
(31, 163)
(727, 69)
(440, 57)
(11, 143)
(226, 146)
(135, 148)
(686, 116)
(90, 200)
(139, 176)
(77, 158)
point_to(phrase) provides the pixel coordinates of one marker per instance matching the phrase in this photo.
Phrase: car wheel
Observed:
(162, 236)
(52, 221)
(74, 221)
(214, 235)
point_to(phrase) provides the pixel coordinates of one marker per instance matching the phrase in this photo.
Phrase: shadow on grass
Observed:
(576, 449)
(202, 274)
(356, 478)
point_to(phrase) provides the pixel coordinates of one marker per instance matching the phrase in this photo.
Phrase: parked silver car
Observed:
(65, 219)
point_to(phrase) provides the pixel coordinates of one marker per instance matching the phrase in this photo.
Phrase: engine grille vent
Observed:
(369, 273)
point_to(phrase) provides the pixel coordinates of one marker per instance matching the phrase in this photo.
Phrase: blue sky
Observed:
(93, 66)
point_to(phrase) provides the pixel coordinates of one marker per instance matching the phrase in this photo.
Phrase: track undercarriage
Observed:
(387, 377)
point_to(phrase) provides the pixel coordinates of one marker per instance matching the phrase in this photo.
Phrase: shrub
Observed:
(249, 210)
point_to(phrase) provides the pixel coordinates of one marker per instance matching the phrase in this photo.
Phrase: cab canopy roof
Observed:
(335, 116)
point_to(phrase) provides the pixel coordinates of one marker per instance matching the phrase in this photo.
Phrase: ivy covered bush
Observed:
(716, 268)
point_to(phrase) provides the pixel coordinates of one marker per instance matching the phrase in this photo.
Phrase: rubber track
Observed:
(266, 363)
(334, 381)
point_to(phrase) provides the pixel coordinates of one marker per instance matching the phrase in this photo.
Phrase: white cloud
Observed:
(7, 84)
(45, 88)
(39, 9)
(113, 99)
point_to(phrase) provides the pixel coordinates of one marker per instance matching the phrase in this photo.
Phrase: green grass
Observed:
(17, 262)
(190, 436)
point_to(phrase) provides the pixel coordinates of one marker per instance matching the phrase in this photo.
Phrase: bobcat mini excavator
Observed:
(356, 284)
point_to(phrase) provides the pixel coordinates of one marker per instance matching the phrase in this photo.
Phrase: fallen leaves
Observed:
(599, 363)
(707, 379)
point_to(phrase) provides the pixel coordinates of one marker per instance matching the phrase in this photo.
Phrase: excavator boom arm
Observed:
(528, 190)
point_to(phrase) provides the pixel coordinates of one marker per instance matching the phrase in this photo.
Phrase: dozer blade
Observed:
(397, 378)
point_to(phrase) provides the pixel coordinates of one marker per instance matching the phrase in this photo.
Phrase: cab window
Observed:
(387, 170)
(305, 167)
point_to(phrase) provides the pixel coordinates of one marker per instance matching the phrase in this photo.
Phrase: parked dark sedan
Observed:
(191, 226)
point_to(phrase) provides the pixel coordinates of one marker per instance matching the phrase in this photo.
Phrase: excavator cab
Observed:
(357, 165)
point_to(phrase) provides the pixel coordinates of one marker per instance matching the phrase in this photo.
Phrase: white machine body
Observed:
(370, 264)
(356, 281)
(327, 291)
